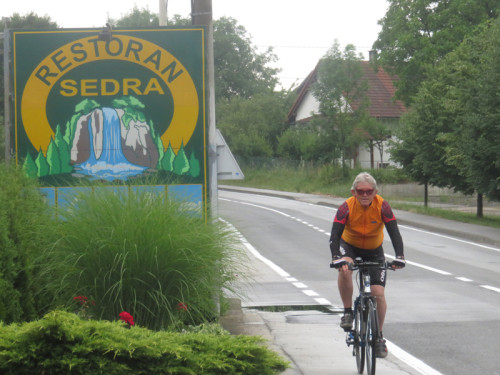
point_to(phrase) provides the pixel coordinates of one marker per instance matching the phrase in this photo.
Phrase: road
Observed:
(443, 307)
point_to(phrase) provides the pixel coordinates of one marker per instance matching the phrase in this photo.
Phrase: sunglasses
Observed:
(364, 192)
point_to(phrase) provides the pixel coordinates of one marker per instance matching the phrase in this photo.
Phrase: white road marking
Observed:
(464, 279)
(323, 301)
(310, 293)
(451, 238)
(404, 356)
(490, 288)
(410, 360)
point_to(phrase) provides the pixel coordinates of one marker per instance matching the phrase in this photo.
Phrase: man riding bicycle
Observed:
(358, 231)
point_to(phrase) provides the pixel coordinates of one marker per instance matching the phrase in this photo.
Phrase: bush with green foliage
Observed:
(63, 343)
(138, 251)
(25, 222)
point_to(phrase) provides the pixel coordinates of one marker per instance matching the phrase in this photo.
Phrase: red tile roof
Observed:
(380, 91)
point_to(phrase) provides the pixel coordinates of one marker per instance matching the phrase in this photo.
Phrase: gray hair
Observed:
(364, 177)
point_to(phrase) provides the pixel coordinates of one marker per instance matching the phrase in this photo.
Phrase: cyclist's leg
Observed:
(379, 292)
(378, 279)
(345, 285)
(345, 276)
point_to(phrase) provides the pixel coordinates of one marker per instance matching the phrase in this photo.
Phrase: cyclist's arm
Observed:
(392, 228)
(337, 229)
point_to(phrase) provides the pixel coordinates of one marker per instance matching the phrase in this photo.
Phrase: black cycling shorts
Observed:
(377, 277)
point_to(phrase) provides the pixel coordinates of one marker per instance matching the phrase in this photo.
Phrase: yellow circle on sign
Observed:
(121, 47)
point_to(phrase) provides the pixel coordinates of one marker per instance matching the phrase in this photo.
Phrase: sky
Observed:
(300, 31)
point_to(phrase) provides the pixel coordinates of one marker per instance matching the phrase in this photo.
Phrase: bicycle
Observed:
(365, 333)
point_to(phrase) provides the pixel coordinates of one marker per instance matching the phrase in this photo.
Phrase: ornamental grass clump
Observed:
(142, 253)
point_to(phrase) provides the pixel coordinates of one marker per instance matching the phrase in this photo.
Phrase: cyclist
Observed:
(358, 231)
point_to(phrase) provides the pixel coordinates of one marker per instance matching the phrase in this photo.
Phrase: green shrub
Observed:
(142, 253)
(62, 343)
(25, 230)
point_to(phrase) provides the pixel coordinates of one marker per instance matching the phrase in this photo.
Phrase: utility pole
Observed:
(201, 14)
(163, 5)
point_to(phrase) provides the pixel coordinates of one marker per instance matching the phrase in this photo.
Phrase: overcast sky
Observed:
(300, 31)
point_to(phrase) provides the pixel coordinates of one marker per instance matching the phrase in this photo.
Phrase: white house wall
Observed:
(308, 106)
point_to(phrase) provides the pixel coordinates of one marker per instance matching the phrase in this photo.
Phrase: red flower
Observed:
(182, 306)
(126, 317)
(81, 299)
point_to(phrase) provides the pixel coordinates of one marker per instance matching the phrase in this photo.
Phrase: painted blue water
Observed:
(111, 164)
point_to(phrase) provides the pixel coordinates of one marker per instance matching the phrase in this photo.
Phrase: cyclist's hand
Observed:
(398, 263)
(340, 264)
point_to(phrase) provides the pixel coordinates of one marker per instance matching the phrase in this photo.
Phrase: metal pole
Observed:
(163, 4)
(201, 14)
(6, 90)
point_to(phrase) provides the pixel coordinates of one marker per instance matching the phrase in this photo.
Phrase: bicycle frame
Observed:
(365, 333)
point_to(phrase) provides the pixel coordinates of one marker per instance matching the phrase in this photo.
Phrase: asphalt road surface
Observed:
(443, 308)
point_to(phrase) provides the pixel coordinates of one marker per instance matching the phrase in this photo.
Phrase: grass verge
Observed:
(329, 180)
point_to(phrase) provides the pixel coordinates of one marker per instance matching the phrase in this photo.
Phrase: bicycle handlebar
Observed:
(359, 264)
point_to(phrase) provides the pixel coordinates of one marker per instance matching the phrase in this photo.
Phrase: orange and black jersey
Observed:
(363, 227)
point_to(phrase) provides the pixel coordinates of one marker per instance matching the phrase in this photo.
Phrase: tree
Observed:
(377, 133)
(474, 144)
(339, 85)
(452, 133)
(42, 165)
(240, 70)
(64, 151)
(53, 158)
(259, 120)
(416, 34)
(138, 18)
(181, 162)
(194, 166)
(167, 161)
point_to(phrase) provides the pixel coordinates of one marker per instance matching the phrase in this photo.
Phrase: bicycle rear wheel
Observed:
(371, 336)
(359, 346)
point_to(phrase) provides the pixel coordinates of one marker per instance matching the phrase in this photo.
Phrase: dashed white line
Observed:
(396, 350)
(490, 288)
(323, 301)
(310, 293)
(463, 279)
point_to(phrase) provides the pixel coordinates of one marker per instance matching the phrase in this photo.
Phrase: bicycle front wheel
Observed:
(359, 334)
(371, 336)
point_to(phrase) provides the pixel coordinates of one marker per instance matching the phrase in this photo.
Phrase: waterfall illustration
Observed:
(111, 163)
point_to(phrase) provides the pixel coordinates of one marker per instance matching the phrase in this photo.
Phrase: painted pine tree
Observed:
(181, 162)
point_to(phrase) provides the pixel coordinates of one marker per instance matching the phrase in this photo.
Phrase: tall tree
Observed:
(453, 129)
(240, 69)
(473, 74)
(416, 34)
(339, 84)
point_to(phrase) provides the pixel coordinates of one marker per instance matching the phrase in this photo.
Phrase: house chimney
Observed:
(372, 55)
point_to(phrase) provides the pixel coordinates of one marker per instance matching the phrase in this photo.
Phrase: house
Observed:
(382, 107)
